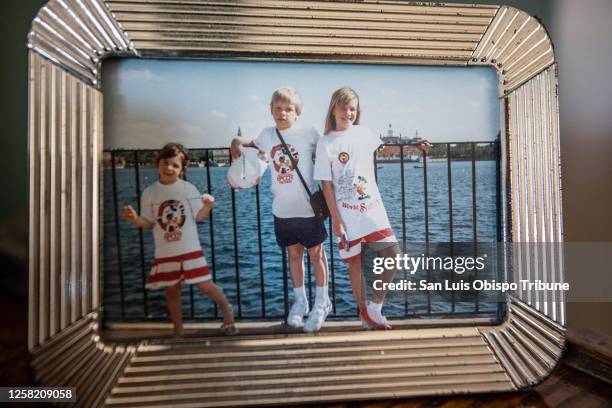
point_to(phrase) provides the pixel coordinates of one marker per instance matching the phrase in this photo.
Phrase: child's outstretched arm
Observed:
(337, 225)
(131, 216)
(208, 202)
(240, 141)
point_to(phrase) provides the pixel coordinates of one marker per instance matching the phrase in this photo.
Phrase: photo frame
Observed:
(69, 40)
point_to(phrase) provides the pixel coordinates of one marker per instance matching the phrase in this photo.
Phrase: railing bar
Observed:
(426, 209)
(191, 301)
(259, 244)
(309, 278)
(474, 229)
(376, 166)
(474, 220)
(191, 296)
(211, 225)
(450, 217)
(403, 192)
(498, 197)
(501, 306)
(331, 265)
(426, 198)
(117, 234)
(143, 272)
(382, 145)
(285, 283)
(236, 261)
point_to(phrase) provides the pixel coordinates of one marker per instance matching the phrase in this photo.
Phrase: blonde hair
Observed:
(287, 94)
(342, 96)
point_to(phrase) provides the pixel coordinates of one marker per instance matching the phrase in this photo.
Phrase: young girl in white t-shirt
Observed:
(345, 165)
(171, 207)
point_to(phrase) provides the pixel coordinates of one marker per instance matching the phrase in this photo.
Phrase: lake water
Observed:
(389, 180)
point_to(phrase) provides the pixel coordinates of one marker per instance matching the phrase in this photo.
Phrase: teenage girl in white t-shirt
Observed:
(345, 165)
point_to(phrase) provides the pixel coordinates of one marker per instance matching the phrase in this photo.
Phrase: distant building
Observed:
(220, 156)
(389, 153)
(390, 137)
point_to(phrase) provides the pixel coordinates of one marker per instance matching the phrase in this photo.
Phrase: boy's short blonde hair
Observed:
(287, 94)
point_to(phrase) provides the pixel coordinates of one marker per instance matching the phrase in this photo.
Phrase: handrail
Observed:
(121, 267)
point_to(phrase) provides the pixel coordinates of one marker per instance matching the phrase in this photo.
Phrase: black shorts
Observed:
(309, 232)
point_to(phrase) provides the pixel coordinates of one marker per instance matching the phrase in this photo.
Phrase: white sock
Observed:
(377, 307)
(321, 294)
(299, 294)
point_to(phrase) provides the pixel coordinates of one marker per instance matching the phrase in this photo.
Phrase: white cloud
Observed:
(255, 98)
(388, 92)
(218, 114)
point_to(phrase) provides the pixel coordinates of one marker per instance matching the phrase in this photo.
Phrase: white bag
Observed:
(246, 171)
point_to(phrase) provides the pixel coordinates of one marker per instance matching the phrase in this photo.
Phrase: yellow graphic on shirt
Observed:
(343, 157)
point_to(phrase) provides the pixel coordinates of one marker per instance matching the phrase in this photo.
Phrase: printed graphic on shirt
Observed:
(351, 188)
(343, 157)
(360, 187)
(346, 186)
(171, 217)
(361, 207)
(282, 163)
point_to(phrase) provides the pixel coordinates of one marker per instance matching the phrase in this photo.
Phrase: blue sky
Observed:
(202, 103)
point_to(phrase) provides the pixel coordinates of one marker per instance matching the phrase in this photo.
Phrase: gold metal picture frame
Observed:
(69, 40)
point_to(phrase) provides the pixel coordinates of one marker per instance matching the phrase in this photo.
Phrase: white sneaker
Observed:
(317, 316)
(372, 319)
(296, 314)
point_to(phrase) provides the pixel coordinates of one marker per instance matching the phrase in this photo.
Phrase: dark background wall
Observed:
(583, 35)
(583, 47)
(17, 16)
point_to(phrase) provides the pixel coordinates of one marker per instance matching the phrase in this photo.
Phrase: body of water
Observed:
(128, 258)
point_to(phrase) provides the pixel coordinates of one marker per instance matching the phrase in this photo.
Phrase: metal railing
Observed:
(116, 265)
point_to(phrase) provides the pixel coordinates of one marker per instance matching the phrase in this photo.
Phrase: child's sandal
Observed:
(228, 329)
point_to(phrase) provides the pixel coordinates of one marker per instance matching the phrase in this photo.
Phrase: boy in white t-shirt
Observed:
(295, 225)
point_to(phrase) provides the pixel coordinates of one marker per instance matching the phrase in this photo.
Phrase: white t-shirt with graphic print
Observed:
(290, 199)
(346, 158)
(172, 207)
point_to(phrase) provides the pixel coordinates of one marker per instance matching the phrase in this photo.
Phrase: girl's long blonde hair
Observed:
(341, 97)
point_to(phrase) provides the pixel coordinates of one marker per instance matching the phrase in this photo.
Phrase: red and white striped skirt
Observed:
(354, 249)
(191, 268)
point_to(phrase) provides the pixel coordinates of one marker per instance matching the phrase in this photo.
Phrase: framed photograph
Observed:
(111, 82)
